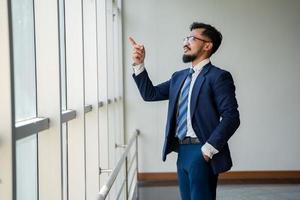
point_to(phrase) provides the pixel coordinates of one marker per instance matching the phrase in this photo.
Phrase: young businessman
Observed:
(202, 112)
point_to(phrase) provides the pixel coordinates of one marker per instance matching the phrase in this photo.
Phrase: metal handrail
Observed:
(106, 188)
(32, 126)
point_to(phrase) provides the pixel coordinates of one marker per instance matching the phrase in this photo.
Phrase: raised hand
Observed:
(138, 53)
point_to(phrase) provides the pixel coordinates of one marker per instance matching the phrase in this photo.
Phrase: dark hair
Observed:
(210, 32)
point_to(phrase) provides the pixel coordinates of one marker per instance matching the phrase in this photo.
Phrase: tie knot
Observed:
(191, 71)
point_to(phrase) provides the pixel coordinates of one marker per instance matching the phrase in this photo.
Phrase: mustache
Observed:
(186, 46)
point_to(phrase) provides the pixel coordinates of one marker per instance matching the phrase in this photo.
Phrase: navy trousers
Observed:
(196, 178)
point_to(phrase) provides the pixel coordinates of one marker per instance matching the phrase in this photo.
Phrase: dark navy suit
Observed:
(213, 110)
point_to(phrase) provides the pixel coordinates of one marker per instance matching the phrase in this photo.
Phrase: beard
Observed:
(188, 58)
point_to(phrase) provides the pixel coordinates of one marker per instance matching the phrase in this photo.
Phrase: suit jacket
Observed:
(213, 109)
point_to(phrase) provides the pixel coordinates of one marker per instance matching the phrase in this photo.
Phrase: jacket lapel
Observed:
(196, 88)
(174, 95)
(179, 83)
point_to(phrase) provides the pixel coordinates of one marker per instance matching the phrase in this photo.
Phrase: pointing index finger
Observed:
(132, 41)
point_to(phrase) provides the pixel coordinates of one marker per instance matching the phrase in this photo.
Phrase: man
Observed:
(202, 112)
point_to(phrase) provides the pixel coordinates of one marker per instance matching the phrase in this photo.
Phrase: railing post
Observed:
(126, 177)
(137, 163)
(105, 189)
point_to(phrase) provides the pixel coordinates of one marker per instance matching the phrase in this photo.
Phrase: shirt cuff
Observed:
(137, 69)
(209, 150)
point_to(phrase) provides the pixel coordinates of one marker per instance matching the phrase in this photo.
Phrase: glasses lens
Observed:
(191, 39)
(188, 39)
(185, 40)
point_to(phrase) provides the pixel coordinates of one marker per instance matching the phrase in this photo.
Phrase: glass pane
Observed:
(24, 59)
(62, 54)
(26, 170)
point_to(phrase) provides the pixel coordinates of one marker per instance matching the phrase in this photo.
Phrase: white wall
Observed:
(260, 48)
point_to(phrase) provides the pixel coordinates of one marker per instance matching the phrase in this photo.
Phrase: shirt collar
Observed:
(200, 65)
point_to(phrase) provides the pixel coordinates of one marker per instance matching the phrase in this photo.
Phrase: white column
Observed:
(6, 158)
(118, 65)
(102, 87)
(75, 99)
(48, 103)
(91, 98)
(110, 84)
(112, 122)
(120, 71)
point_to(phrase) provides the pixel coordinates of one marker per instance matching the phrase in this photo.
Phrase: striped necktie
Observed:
(181, 120)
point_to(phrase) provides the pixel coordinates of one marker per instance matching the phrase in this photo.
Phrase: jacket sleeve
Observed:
(150, 92)
(226, 103)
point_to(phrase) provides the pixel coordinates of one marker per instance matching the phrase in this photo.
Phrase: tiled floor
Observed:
(229, 192)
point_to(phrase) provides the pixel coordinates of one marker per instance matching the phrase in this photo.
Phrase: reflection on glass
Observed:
(26, 170)
(24, 59)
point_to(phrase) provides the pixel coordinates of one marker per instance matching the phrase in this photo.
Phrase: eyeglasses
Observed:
(190, 39)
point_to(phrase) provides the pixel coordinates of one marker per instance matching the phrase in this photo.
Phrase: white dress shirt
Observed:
(207, 148)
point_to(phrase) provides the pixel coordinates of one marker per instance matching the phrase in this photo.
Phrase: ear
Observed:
(208, 46)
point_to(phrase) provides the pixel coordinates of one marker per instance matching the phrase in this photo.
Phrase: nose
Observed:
(186, 45)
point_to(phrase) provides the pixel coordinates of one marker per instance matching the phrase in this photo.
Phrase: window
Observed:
(25, 95)
(24, 59)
